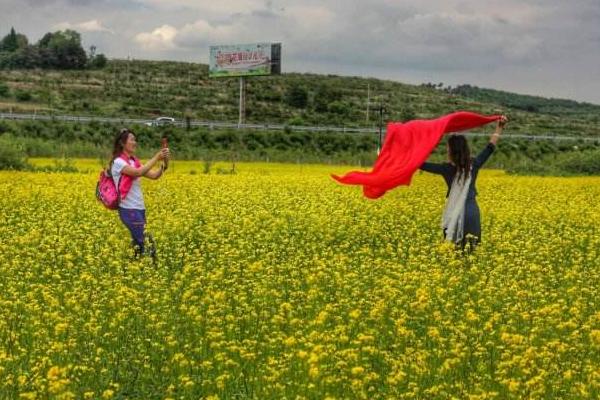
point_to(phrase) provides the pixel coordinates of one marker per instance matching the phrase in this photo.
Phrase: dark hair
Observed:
(119, 144)
(460, 154)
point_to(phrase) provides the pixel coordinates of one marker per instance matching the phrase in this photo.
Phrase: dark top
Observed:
(448, 170)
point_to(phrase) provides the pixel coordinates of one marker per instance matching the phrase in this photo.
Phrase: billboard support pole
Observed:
(242, 116)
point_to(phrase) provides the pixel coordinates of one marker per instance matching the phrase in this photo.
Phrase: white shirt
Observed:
(134, 199)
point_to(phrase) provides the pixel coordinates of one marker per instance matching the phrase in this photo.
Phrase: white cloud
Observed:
(298, 26)
(547, 44)
(159, 39)
(210, 8)
(202, 33)
(88, 26)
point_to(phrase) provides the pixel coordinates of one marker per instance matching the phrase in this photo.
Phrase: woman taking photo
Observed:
(126, 171)
(461, 222)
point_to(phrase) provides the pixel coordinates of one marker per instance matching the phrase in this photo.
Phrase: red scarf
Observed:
(126, 181)
(406, 147)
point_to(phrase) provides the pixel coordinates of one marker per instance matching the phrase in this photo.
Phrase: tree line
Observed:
(55, 50)
(22, 139)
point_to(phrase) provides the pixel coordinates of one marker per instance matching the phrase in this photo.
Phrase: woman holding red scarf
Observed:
(126, 170)
(461, 221)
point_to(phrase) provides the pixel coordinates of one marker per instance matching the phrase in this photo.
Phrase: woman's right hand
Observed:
(163, 154)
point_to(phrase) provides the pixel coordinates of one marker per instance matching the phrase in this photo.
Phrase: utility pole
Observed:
(128, 61)
(242, 116)
(368, 100)
(381, 111)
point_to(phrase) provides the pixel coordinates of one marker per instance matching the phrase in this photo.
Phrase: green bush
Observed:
(572, 163)
(4, 126)
(4, 90)
(581, 163)
(297, 96)
(22, 95)
(64, 165)
(12, 156)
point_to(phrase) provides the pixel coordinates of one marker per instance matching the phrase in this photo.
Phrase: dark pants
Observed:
(135, 221)
(472, 226)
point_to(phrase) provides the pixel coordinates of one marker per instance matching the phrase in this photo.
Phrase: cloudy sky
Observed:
(542, 47)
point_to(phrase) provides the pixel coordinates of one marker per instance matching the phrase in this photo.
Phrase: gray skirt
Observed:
(472, 224)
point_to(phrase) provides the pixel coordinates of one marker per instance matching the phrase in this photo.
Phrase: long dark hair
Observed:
(460, 154)
(119, 144)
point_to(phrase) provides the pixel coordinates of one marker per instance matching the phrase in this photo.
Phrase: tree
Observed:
(407, 114)
(45, 40)
(96, 61)
(99, 61)
(10, 42)
(63, 50)
(325, 95)
(29, 57)
(297, 96)
(60, 50)
(22, 41)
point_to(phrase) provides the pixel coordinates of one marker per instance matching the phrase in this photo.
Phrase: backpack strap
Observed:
(126, 179)
(109, 173)
(119, 191)
(136, 161)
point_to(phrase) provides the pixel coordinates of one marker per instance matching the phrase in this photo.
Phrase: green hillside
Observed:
(150, 88)
(146, 89)
(534, 104)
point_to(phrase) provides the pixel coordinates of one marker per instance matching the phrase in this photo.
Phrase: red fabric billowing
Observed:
(406, 147)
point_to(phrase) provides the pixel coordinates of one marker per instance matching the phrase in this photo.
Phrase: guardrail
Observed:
(277, 127)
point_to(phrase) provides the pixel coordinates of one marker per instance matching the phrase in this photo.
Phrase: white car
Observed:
(161, 121)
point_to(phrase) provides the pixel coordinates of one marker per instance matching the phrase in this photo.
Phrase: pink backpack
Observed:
(106, 191)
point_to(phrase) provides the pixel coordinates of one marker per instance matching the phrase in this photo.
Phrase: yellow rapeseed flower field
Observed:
(277, 283)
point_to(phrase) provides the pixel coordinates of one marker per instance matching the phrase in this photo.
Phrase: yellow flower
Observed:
(53, 373)
(60, 328)
(290, 341)
(321, 292)
(302, 354)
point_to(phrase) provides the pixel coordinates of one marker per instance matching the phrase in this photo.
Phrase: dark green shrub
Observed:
(581, 163)
(12, 156)
(297, 96)
(339, 107)
(4, 90)
(22, 95)
(4, 126)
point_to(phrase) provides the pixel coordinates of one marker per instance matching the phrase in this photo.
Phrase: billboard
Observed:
(244, 60)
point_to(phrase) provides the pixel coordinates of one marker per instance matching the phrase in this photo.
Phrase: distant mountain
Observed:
(529, 103)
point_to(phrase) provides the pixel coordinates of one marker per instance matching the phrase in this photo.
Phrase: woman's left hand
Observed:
(502, 121)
